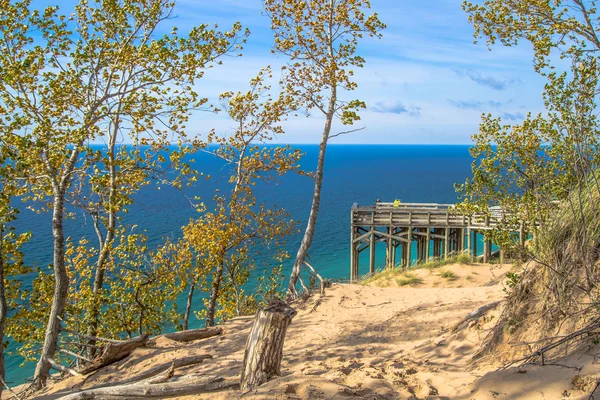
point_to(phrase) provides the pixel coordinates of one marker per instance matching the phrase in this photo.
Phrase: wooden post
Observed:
(487, 250)
(409, 247)
(446, 243)
(474, 244)
(469, 251)
(372, 252)
(389, 250)
(419, 249)
(264, 346)
(427, 244)
(352, 277)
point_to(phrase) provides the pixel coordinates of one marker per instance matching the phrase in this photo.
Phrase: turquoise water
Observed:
(353, 173)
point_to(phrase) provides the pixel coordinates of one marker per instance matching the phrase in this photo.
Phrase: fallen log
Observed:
(264, 347)
(477, 313)
(194, 334)
(152, 388)
(113, 352)
(178, 363)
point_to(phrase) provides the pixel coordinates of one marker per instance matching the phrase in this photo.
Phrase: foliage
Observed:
(101, 75)
(543, 172)
(527, 168)
(223, 240)
(11, 257)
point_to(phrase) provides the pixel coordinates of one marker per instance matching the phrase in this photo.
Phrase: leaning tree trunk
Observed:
(42, 369)
(214, 294)
(316, 202)
(264, 347)
(188, 307)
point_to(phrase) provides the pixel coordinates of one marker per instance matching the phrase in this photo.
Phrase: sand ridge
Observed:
(373, 342)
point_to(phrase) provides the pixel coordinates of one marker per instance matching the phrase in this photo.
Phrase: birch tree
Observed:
(72, 81)
(223, 237)
(320, 37)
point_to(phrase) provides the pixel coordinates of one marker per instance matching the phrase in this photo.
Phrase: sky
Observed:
(424, 82)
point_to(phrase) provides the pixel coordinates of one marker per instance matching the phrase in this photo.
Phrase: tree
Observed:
(525, 168)
(67, 82)
(224, 238)
(320, 38)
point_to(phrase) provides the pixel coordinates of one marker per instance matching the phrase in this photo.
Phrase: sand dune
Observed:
(377, 343)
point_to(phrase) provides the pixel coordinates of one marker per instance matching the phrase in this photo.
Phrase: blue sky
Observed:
(425, 81)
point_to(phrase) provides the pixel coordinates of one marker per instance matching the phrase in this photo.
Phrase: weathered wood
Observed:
(409, 248)
(194, 334)
(469, 250)
(477, 313)
(353, 274)
(264, 347)
(446, 243)
(372, 252)
(53, 364)
(161, 369)
(315, 274)
(428, 245)
(398, 225)
(114, 352)
(154, 389)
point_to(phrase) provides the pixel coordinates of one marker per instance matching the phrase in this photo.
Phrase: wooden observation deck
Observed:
(436, 229)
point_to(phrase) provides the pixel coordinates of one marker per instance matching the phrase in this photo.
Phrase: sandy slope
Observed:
(377, 343)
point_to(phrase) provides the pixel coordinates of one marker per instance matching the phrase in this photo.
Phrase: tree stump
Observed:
(264, 347)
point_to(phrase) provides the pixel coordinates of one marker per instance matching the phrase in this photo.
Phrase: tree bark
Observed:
(194, 334)
(159, 370)
(188, 308)
(3, 310)
(264, 347)
(61, 287)
(214, 293)
(114, 352)
(316, 201)
(105, 244)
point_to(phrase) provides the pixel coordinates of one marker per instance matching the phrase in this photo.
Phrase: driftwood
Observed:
(155, 387)
(264, 347)
(159, 369)
(477, 313)
(113, 352)
(62, 368)
(194, 334)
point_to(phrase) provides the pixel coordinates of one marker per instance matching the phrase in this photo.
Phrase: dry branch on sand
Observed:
(477, 313)
(158, 386)
(194, 334)
(113, 352)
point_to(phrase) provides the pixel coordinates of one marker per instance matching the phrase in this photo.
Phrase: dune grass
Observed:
(449, 275)
(389, 275)
(408, 279)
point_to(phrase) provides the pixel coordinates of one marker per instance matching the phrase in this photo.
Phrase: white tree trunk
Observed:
(42, 369)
